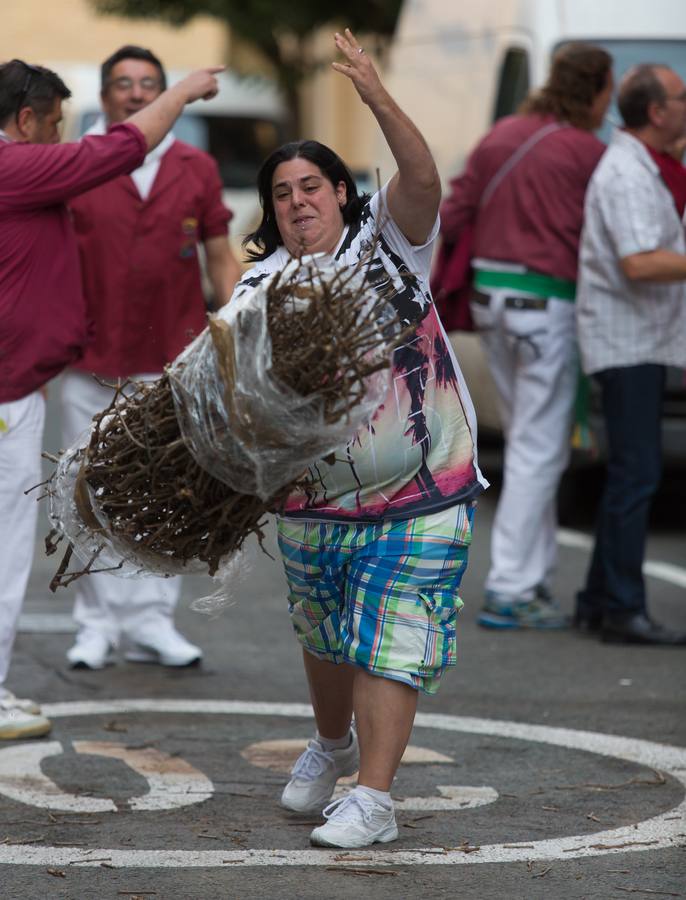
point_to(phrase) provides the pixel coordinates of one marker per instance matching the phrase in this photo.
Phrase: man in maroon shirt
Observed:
(522, 192)
(138, 238)
(42, 309)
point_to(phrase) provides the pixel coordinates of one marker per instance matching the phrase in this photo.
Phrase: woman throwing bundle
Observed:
(375, 549)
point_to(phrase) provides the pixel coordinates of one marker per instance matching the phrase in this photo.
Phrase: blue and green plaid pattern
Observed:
(383, 596)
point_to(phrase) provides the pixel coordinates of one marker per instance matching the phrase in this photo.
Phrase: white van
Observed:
(239, 127)
(456, 66)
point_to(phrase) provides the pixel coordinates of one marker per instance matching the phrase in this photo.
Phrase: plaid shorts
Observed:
(382, 596)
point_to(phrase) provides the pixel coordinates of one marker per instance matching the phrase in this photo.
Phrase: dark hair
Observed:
(638, 89)
(578, 74)
(24, 85)
(130, 51)
(266, 236)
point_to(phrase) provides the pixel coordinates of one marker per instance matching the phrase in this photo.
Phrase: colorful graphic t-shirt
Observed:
(418, 454)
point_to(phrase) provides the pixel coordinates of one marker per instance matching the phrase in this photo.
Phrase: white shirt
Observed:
(144, 176)
(629, 210)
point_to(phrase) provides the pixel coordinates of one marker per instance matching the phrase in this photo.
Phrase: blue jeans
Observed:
(632, 400)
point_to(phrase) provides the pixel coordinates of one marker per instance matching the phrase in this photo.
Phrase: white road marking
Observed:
(451, 797)
(46, 623)
(659, 832)
(576, 539)
(666, 572)
(21, 779)
(172, 782)
(661, 570)
(279, 756)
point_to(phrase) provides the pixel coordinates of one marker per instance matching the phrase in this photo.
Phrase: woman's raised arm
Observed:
(414, 192)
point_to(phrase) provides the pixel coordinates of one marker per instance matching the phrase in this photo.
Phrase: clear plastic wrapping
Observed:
(75, 513)
(240, 421)
(176, 473)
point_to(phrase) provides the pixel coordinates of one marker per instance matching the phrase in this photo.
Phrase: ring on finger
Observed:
(360, 50)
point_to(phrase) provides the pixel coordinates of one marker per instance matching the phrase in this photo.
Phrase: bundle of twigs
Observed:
(325, 346)
(327, 334)
(150, 493)
(138, 481)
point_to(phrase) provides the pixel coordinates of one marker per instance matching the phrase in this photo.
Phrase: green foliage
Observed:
(279, 29)
(263, 22)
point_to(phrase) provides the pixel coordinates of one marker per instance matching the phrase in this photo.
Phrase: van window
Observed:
(238, 143)
(631, 52)
(513, 82)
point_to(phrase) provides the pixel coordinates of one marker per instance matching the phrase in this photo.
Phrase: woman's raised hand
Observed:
(358, 67)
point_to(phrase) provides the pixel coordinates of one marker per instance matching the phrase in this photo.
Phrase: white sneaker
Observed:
(16, 723)
(356, 820)
(9, 701)
(92, 650)
(163, 645)
(315, 773)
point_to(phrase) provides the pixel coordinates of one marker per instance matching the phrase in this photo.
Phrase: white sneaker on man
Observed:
(92, 650)
(163, 645)
(356, 820)
(16, 723)
(9, 701)
(315, 773)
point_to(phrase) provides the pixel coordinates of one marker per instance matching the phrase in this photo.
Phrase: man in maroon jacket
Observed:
(139, 237)
(42, 308)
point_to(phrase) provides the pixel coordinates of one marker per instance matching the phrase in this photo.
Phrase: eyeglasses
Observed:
(30, 72)
(680, 98)
(127, 84)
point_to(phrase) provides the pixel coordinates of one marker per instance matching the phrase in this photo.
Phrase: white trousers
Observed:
(115, 607)
(533, 358)
(21, 437)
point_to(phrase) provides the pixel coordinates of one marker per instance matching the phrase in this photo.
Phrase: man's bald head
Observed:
(641, 86)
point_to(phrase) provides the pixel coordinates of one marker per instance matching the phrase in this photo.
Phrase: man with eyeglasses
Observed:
(43, 316)
(631, 316)
(138, 238)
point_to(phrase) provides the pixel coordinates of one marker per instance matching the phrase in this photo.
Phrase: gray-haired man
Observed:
(631, 312)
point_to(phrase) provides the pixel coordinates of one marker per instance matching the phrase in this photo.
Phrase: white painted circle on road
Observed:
(172, 782)
(656, 833)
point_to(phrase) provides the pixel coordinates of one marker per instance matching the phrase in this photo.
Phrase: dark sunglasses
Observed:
(30, 72)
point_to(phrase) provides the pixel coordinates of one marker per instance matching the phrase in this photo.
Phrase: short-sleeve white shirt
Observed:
(629, 210)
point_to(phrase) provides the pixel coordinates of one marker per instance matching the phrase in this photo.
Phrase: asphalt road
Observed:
(548, 766)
